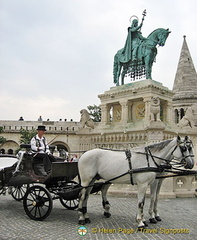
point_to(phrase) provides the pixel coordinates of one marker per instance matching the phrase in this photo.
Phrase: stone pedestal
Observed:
(138, 114)
(132, 105)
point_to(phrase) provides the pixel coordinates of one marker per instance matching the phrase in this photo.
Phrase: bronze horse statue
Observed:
(146, 54)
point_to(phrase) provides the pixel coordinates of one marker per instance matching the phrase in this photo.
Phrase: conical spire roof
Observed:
(185, 83)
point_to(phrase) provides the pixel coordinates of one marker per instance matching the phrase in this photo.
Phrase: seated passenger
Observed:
(41, 149)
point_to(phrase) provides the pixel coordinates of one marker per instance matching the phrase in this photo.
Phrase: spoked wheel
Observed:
(3, 190)
(70, 198)
(70, 204)
(18, 193)
(37, 203)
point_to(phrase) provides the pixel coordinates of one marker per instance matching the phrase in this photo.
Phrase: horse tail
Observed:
(115, 68)
(86, 167)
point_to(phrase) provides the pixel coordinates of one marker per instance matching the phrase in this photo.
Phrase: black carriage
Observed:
(8, 165)
(24, 181)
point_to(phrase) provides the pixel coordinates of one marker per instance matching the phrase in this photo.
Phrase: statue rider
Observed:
(134, 39)
(137, 37)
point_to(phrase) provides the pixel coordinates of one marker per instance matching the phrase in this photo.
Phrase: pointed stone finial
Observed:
(185, 83)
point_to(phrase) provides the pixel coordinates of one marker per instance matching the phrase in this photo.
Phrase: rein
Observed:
(159, 168)
(173, 161)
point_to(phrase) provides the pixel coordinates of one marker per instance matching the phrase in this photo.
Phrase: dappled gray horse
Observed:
(156, 185)
(113, 166)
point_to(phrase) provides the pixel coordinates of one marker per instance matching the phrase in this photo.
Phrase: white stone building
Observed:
(134, 114)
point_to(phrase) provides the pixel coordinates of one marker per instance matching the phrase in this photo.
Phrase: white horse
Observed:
(156, 185)
(146, 164)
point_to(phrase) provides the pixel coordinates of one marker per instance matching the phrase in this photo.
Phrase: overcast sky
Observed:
(56, 56)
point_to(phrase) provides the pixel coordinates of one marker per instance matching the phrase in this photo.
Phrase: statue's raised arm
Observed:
(138, 54)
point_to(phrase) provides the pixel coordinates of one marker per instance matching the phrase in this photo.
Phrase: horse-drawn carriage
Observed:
(143, 166)
(24, 180)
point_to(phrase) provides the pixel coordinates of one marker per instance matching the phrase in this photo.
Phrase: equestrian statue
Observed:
(137, 56)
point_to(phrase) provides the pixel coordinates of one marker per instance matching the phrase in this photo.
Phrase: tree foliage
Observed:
(1, 129)
(2, 140)
(26, 135)
(95, 112)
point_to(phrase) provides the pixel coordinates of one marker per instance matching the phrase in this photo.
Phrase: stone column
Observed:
(125, 111)
(147, 110)
(169, 113)
(105, 113)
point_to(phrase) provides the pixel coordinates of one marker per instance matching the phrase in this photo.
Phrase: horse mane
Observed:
(159, 146)
(155, 31)
(155, 147)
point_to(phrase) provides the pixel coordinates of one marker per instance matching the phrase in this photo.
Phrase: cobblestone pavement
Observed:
(178, 215)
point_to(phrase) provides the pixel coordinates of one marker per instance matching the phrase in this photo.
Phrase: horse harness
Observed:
(131, 171)
(148, 153)
(158, 168)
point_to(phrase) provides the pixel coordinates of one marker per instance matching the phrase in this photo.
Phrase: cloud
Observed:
(57, 55)
(44, 106)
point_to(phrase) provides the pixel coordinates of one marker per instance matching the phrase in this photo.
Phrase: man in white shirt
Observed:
(41, 149)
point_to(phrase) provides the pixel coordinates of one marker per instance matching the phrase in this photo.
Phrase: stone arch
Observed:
(61, 145)
(10, 151)
(182, 113)
(176, 116)
(2, 151)
(10, 145)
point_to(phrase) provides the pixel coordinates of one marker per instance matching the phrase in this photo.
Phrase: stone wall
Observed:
(135, 114)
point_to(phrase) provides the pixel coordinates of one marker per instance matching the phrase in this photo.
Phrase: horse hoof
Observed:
(87, 220)
(141, 228)
(107, 215)
(145, 224)
(158, 218)
(82, 222)
(152, 220)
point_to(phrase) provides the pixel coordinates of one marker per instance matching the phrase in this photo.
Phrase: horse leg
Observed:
(148, 75)
(141, 200)
(154, 189)
(157, 217)
(82, 207)
(116, 70)
(122, 76)
(118, 73)
(105, 202)
(150, 71)
(148, 67)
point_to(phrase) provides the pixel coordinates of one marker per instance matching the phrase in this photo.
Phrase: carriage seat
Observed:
(7, 166)
(38, 167)
(7, 161)
(28, 147)
(30, 162)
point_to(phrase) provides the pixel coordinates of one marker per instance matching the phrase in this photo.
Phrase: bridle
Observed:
(172, 162)
(170, 165)
(186, 146)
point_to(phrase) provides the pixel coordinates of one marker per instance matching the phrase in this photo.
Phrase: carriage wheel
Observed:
(72, 201)
(3, 190)
(70, 204)
(18, 193)
(37, 203)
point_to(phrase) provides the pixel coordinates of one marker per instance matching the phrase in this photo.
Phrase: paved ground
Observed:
(178, 215)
